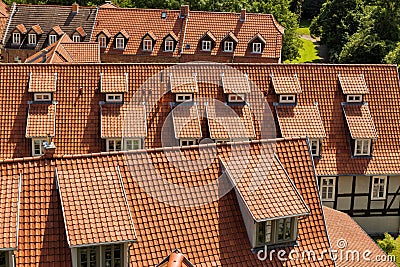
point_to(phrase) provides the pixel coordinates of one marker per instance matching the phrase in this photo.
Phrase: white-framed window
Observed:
(147, 45)
(276, 231)
(42, 97)
(114, 144)
(103, 41)
(76, 38)
(315, 147)
(236, 98)
(257, 48)
(378, 187)
(328, 188)
(52, 39)
(221, 141)
(132, 144)
(206, 45)
(187, 142)
(32, 38)
(362, 147)
(169, 45)
(228, 46)
(103, 256)
(354, 98)
(120, 43)
(287, 99)
(37, 146)
(183, 97)
(16, 38)
(116, 98)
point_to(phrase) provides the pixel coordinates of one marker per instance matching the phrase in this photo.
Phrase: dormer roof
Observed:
(42, 82)
(57, 30)
(80, 31)
(173, 36)
(209, 35)
(175, 259)
(183, 82)
(21, 28)
(286, 84)
(151, 35)
(37, 29)
(41, 121)
(105, 32)
(186, 121)
(235, 83)
(353, 85)
(359, 121)
(259, 37)
(231, 36)
(124, 33)
(113, 82)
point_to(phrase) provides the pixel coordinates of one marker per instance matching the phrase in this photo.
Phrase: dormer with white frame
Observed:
(43, 86)
(114, 85)
(78, 35)
(170, 42)
(229, 43)
(148, 42)
(207, 42)
(33, 36)
(287, 88)
(17, 35)
(186, 122)
(183, 85)
(103, 38)
(354, 88)
(236, 87)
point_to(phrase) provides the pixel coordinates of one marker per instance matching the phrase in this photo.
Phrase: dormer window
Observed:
(148, 41)
(170, 42)
(119, 43)
(207, 42)
(257, 44)
(169, 46)
(38, 146)
(116, 144)
(353, 87)
(115, 98)
(229, 42)
(236, 98)
(362, 147)
(287, 99)
(187, 142)
(42, 97)
(103, 41)
(76, 38)
(354, 98)
(183, 98)
(147, 45)
(228, 46)
(114, 86)
(32, 39)
(52, 39)
(315, 147)
(276, 231)
(257, 49)
(206, 45)
(16, 38)
(287, 88)
(183, 85)
(235, 87)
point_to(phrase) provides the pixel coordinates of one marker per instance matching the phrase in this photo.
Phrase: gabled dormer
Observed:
(186, 121)
(229, 43)
(207, 42)
(33, 35)
(114, 85)
(121, 39)
(169, 42)
(183, 86)
(354, 88)
(236, 87)
(42, 85)
(55, 33)
(103, 38)
(148, 42)
(17, 35)
(78, 35)
(287, 88)
(257, 44)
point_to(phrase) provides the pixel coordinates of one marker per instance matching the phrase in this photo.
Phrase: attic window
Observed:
(315, 147)
(228, 46)
(119, 43)
(32, 39)
(76, 38)
(103, 41)
(276, 231)
(16, 38)
(236, 98)
(362, 147)
(169, 45)
(147, 45)
(38, 146)
(354, 98)
(187, 142)
(164, 15)
(52, 39)
(132, 144)
(111, 255)
(206, 45)
(183, 97)
(116, 144)
(257, 48)
(115, 98)
(286, 99)
(42, 97)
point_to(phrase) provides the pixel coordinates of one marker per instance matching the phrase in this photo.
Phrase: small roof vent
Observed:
(164, 15)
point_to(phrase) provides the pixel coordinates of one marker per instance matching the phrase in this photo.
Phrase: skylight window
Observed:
(164, 15)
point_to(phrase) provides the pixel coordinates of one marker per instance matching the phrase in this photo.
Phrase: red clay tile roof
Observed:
(128, 120)
(4, 9)
(9, 210)
(21, 28)
(95, 206)
(105, 32)
(124, 33)
(42, 82)
(81, 31)
(231, 36)
(235, 83)
(258, 36)
(57, 30)
(359, 121)
(229, 123)
(83, 52)
(37, 29)
(4, 14)
(286, 85)
(209, 35)
(181, 82)
(41, 120)
(346, 235)
(114, 82)
(300, 121)
(353, 85)
(175, 259)
(186, 121)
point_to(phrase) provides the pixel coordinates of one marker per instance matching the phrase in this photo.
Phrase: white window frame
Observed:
(100, 252)
(119, 43)
(354, 98)
(52, 39)
(147, 45)
(169, 45)
(16, 38)
(115, 98)
(378, 186)
(32, 38)
(221, 141)
(317, 144)
(236, 98)
(102, 41)
(228, 46)
(114, 142)
(42, 97)
(257, 48)
(325, 186)
(206, 45)
(362, 147)
(179, 98)
(132, 144)
(187, 142)
(37, 144)
(287, 99)
(269, 231)
(76, 38)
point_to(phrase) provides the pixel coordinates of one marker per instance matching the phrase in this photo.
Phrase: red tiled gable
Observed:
(9, 210)
(151, 35)
(258, 36)
(57, 30)
(229, 123)
(341, 227)
(95, 207)
(21, 28)
(186, 121)
(286, 85)
(128, 120)
(175, 259)
(359, 121)
(41, 120)
(81, 31)
(4, 9)
(173, 36)
(235, 83)
(37, 29)
(231, 36)
(105, 32)
(181, 82)
(300, 121)
(114, 82)
(209, 35)
(353, 85)
(42, 82)
(125, 33)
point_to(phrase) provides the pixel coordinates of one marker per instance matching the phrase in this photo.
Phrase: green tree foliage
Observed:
(393, 56)
(311, 8)
(388, 244)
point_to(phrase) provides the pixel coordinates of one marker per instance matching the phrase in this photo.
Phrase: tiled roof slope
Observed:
(4, 13)
(78, 110)
(41, 120)
(211, 234)
(359, 121)
(346, 235)
(353, 85)
(186, 121)
(286, 85)
(48, 16)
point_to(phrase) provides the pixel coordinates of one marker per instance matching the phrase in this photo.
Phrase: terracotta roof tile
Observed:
(258, 36)
(209, 35)
(37, 29)
(286, 85)
(81, 31)
(359, 121)
(83, 52)
(235, 83)
(183, 82)
(57, 30)
(300, 121)
(231, 36)
(105, 32)
(186, 121)
(42, 82)
(114, 82)
(353, 85)
(4, 14)
(41, 121)
(175, 259)
(21, 28)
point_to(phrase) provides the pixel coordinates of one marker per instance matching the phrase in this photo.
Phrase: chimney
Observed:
(184, 11)
(243, 15)
(75, 8)
(49, 148)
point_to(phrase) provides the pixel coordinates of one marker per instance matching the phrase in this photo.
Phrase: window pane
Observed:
(260, 233)
(92, 257)
(136, 144)
(111, 145)
(288, 223)
(118, 146)
(3, 259)
(83, 258)
(108, 256)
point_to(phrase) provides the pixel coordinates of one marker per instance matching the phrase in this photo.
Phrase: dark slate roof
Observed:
(48, 16)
